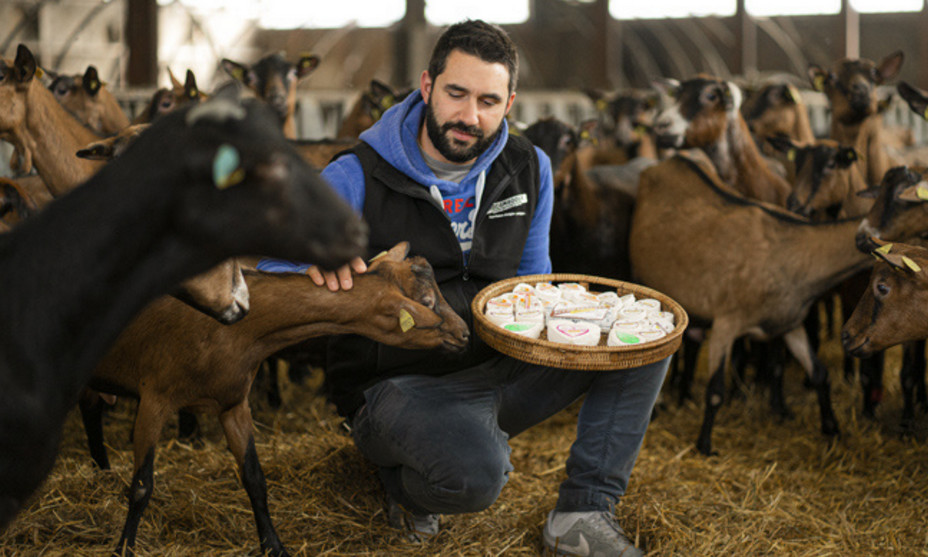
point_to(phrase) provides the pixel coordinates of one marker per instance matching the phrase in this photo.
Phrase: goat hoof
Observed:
(830, 429)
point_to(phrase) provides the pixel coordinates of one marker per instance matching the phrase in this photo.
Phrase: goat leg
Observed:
(149, 421)
(690, 356)
(715, 392)
(911, 374)
(871, 381)
(775, 365)
(798, 344)
(91, 408)
(143, 482)
(238, 426)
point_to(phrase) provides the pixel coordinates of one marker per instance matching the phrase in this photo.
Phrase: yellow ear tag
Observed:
(922, 193)
(406, 321)
(94, 84)
(378, 256)
(601, 105)
(791, 155)
(925, 114)
(819, 83)
(387, 101)
(884, 249)
(792, 94)
(193, 93)
(39, 73)
(226, 169)
(911, 264)
(238, 74)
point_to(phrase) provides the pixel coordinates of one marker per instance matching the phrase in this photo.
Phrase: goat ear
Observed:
(307, 64)
(817, 77)
(897, 260)
(238, 72)
(398, 252)
(190, 86)
(915, 194)
(890, 66)
(96, 152)
(882, 105)
(667, 86)
(91, 81)
(872, 192)
(916, 100)
(846, 157)
(782, 144)
(175, 83)
(24, 67)
(380, 89)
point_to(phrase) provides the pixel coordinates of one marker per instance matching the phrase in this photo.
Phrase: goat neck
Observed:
(740, 164)
(53, 136)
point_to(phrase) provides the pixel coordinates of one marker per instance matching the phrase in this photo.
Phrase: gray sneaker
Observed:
(587, 534)
(418, 527)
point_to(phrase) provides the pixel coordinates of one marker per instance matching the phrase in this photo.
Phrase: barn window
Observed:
(792, 7)
(284, 14)
(656, 9)
(873, 6)
(442, 12)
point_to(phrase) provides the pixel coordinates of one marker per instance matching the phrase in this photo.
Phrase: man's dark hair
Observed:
(477, 38)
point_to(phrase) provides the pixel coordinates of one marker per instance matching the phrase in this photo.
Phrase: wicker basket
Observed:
(565, 356)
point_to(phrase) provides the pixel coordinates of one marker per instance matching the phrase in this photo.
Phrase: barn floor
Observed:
(776, 488)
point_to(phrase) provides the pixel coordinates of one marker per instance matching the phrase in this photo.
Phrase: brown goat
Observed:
(369, 107)
(706, 115)
(113, 146)
(893, 311)
(749, 268)
(166, 100)
(274, 80)
(826, 179)
(43, 132)
(88, 99)
(173, 358)
(850, 86)
(777, 110)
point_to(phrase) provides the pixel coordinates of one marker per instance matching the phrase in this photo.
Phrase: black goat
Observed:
(199, 186)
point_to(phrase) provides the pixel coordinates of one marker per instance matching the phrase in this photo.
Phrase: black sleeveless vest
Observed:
(398, 208)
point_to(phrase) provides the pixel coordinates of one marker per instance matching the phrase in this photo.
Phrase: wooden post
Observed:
(747, 34)
(142, 39)
(850, 31)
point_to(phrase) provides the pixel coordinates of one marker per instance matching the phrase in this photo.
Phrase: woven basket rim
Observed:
(555, 354)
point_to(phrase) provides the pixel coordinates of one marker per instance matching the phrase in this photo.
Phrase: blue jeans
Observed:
(441, 443)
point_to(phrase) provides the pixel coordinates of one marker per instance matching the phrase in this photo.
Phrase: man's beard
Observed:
(450, 148)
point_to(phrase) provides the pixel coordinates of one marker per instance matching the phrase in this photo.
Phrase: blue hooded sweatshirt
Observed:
(394, 137)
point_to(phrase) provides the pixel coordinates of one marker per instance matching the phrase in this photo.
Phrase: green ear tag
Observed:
(238, 74)
(884, 249)
(406, 321)
(922, 193)
(819, 83)
(226, 169)
(911, 264)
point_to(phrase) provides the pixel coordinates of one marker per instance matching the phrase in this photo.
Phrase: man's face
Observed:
(466, 105)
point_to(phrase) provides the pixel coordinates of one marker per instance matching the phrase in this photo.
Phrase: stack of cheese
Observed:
(570, 314)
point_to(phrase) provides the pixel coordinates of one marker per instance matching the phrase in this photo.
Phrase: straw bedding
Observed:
(777, 488)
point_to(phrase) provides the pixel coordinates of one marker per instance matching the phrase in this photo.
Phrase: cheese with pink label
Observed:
(570, 332)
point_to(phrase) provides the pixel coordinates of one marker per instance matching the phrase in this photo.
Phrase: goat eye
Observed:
(881, 290)
(712, 96)
(429, 301)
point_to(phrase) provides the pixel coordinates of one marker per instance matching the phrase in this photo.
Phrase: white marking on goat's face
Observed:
(671, 127)
(867, 229)
(736, 98)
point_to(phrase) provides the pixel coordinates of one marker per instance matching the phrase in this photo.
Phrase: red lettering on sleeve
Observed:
(447, 205)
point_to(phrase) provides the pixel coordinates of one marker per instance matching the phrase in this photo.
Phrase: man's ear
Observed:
(512, 97)
(425, 85)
